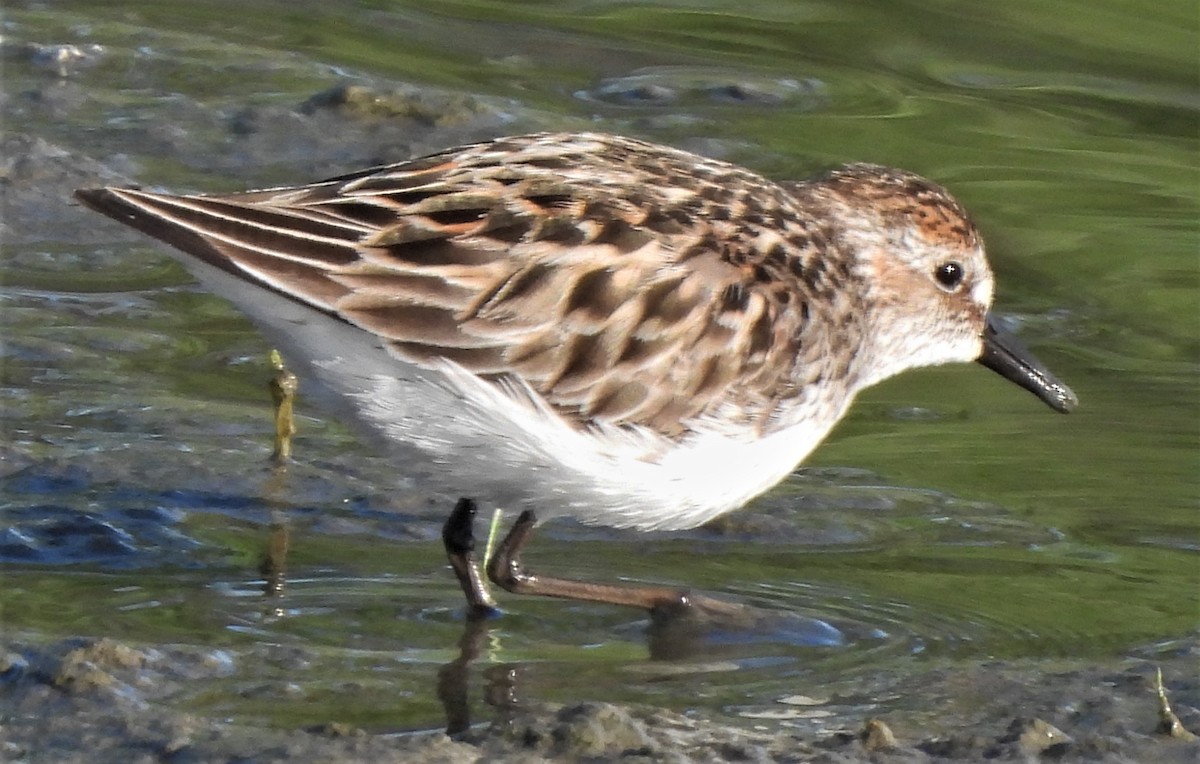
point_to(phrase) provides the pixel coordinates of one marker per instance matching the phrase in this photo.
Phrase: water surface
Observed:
(950, 516)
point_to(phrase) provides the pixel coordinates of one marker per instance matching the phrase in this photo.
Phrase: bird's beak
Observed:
(1004, 354)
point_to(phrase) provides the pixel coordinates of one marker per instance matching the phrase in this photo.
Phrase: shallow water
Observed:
(949, 516)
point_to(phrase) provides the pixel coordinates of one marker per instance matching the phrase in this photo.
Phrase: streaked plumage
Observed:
(596, 326)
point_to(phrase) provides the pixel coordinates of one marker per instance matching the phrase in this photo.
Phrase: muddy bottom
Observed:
(101, 700)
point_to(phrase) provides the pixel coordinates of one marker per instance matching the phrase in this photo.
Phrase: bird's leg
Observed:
(458, 536)
(505, 569)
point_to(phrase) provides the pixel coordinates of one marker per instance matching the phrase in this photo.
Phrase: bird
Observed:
(595, 326)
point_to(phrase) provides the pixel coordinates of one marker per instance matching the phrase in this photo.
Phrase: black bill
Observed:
(1004, 354)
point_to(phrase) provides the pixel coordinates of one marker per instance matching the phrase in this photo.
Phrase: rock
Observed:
(877, 736)
(1034, 736)
(91, 666)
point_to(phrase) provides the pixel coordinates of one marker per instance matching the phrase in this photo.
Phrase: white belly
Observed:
(456, 434)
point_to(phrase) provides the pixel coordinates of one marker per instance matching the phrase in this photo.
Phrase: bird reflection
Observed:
(699, 630)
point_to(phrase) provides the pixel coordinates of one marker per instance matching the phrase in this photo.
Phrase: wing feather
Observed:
(605, 281)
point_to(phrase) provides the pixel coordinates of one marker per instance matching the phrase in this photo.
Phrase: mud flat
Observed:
(101, 700)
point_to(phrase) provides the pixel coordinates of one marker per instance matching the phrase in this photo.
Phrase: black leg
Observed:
(506, 571)
(458, 536)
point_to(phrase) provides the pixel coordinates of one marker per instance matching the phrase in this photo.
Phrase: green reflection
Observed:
(1069, 133)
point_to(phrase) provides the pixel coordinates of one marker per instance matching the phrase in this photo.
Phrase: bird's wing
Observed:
(611, 277)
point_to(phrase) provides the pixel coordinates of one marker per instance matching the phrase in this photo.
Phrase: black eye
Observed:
(949, 275)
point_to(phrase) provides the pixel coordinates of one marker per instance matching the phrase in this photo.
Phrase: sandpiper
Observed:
(595, 326)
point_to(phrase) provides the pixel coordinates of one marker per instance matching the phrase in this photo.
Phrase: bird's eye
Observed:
(949, 275)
